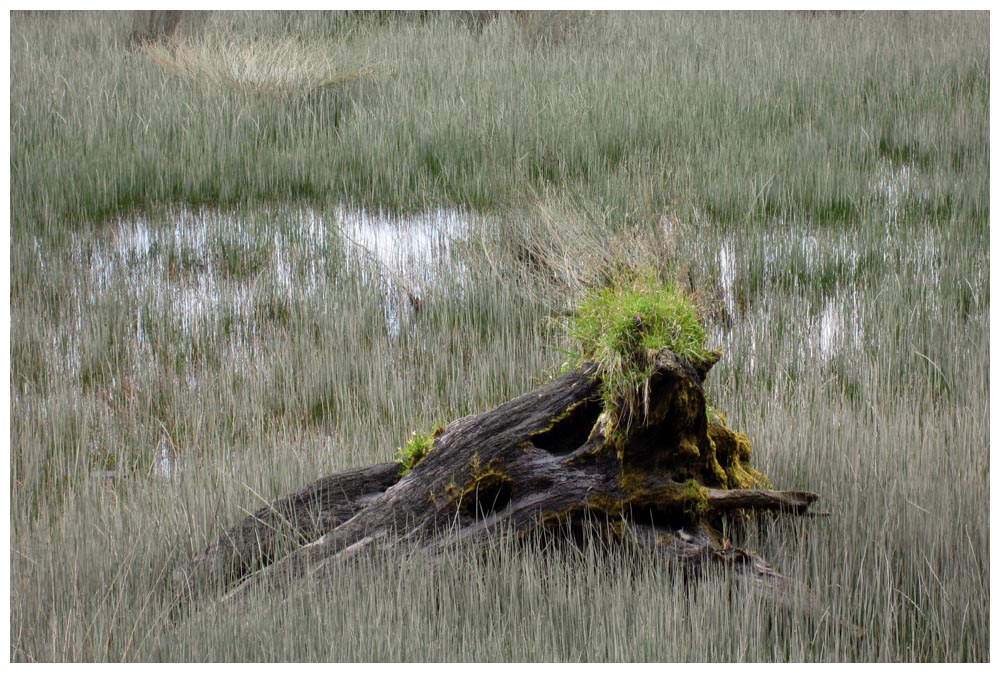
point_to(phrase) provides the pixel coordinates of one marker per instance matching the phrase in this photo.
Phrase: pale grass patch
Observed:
(287, 67)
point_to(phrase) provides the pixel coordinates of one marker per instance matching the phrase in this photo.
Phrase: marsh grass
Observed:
(190, 341)
(896, 445)
(694, 113)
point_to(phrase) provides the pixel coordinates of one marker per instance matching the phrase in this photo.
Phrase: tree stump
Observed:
(546, 462)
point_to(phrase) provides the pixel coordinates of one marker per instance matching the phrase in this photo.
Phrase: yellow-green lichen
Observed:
(487, 492)
(669, 495)
(687, 448)
(732, 452)
(578, 408)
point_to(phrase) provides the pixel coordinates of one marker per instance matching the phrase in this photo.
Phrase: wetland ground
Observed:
(278, 248)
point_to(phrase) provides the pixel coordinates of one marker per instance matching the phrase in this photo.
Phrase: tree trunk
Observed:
(553, 460)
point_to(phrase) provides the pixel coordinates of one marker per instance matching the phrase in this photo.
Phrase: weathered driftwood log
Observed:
(552, 460)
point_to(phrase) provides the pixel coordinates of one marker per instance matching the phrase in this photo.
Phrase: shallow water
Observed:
(409, 254)
(193, 275)
(201, 261)
(821, 268)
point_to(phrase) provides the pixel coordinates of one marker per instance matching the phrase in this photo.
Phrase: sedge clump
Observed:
(415, 449)
(622, 327)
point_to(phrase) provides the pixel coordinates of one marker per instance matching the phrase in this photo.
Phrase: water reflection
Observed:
(727, 276)
(202, 261)
(169, 283)
(410, 254)
(814, 274)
